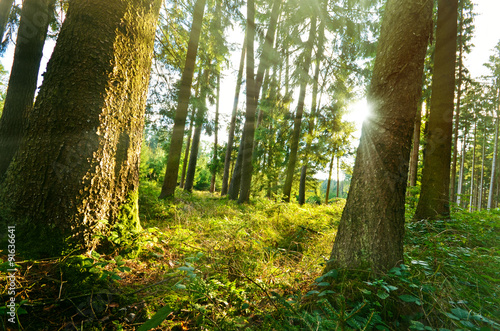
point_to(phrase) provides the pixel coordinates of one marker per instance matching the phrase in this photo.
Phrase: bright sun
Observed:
(358, 112)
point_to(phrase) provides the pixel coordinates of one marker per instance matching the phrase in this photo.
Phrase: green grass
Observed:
(206, 263)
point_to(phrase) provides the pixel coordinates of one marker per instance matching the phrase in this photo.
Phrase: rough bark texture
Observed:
(232, 125)
(371, 229)
(5, 6)
(79, 161)
(249, 127)
(35, 17)
(175, 150)
(434, 195)
(294, 145)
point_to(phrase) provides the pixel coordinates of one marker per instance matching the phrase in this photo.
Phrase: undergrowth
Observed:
(205, 263)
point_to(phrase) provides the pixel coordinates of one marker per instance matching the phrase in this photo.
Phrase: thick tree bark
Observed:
(294, 145)
(434, 196)
(78, 163)
(35, 17)
(459, 97)
(371, 229)
(5, 7)
(174, 154)
(232, 125)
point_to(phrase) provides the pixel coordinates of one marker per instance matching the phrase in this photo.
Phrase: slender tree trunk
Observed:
(5, 7)
(186, 151)
(457, 111)
(216, 132)
(35, 17)
(462, 170)
(434, 197)
(200, 116)
(481, 183)
(232, 125)
(263, 65)
(338, 176)
(314, 108)
(78, 163)
(371, 230)
(415, 148)
(327, 197)
(493, 166)
(472, 183)
(294, 145)
(175, 150)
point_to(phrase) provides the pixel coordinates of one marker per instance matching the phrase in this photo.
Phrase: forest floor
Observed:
(206, 263)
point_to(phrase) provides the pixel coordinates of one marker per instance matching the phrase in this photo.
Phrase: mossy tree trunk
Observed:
(175, 149)
(434, 195)
(78, 163)
(35, 18)
(371, 229)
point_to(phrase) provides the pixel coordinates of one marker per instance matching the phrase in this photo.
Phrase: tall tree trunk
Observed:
(472, 183)
(187, 150)
(314, 108)
(371, 228)
(5, 7)
(434, 197)
(294, 145)
(232, 125)
(462, 169)
(459, 96)
(175, 150)
(35, 17)
(216, 132)
(263, 65)
(338, 176)
(198, 122)
(249, 127)
(481, 183)
(493, 166)
(415, 148)
(78, 163)
(329, 180)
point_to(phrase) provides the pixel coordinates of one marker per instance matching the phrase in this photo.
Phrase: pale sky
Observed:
(486, 36)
